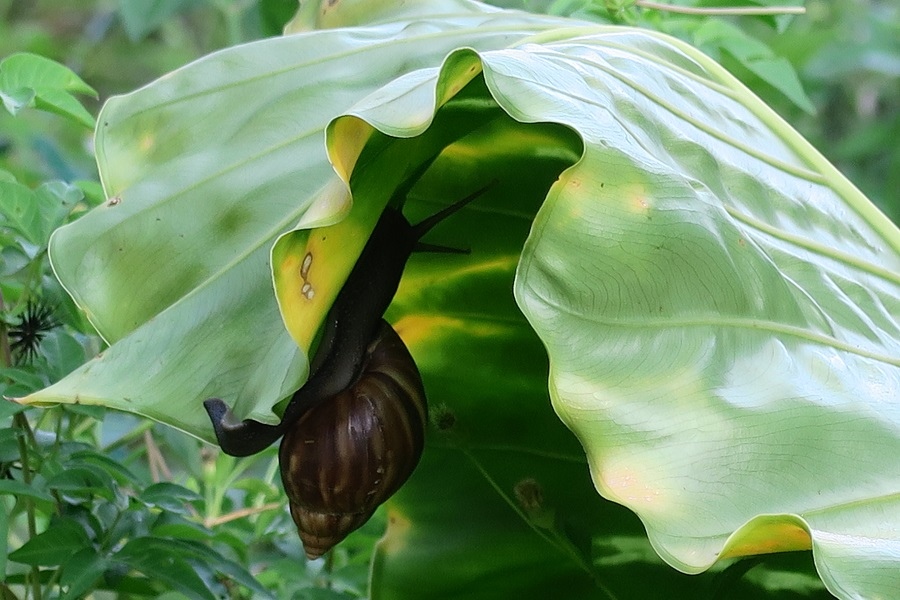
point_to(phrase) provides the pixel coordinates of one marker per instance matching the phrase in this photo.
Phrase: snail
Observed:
(375, 436)
(355, 431)
(351, 324)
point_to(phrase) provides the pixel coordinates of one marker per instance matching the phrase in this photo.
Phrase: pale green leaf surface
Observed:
(719, 305)
(203, 169)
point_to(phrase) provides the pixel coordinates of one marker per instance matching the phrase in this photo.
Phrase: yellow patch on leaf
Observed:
(768, 534)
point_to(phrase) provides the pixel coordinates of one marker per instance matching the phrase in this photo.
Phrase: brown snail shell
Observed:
(350, 453)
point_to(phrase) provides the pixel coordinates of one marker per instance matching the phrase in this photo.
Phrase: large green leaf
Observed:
(718, 304)
(203, 169)
(732, 346)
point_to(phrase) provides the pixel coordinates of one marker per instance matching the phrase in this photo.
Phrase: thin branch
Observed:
(5, 353)
(159, 470)
(738, 11)
(240, 514)
(20, 421)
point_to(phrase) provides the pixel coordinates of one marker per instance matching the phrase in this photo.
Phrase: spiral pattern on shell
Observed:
(349, 454)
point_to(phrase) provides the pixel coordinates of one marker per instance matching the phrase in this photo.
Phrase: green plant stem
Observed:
(328, 569)
(108, 542)
(159, 470)
(21, 423)
(739, 11)
(219, 476)
(233, 14)
(130, 437)
(5, 353)
(242, 513)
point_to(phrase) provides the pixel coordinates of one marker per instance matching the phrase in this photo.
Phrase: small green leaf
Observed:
(25, 70)
(83, 481)
(20, 489)
(756, 57)
(21, 379)
(781, 75)
(226, 567)
(32, 80)
(63, 538)
(258, 487)
(92, 191)
(20, 209)
(13, 258)
(81, 572)
(163, 561)
(8, 409)
(54, 201)
(9, 444)
(171, 525)
(237, 544)
(168, 496)
(63, 104)
(64, 353)
(176, 562)
(112, 467)
(728, 37)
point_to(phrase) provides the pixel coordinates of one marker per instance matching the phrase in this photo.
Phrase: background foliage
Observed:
(166, 514)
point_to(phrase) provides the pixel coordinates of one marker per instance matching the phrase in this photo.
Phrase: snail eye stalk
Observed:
(26, 335)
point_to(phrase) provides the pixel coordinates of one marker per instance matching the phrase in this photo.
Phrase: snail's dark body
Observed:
(355, 431)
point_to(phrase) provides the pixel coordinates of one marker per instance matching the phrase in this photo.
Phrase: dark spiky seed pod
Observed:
(346, 456)
(26, 335)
